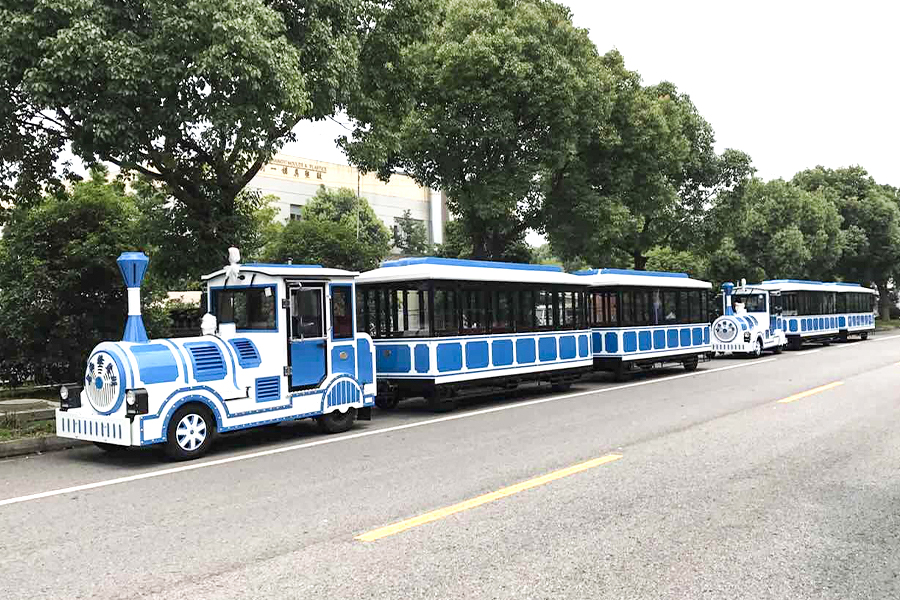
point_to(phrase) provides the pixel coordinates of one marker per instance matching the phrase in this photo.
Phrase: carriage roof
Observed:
(801, 285)
(449, 269)
(287, 271)
(630, 278)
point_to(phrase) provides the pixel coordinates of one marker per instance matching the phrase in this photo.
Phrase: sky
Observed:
(794, 84)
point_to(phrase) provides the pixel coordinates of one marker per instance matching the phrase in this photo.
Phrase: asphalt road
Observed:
(708, 487)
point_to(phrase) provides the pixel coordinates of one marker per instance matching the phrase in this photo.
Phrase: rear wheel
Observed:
(622, 372)
(190, 433)
(690, 364)
(387, 401)
(442, 400)
(795, 343)
(336, 421)
(864, 335)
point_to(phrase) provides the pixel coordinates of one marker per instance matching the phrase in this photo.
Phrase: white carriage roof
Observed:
(627, 277)
(291, 271)
(801, 285)
(451, 269)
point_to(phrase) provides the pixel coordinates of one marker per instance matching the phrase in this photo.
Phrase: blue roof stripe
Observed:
(458, 262)
(279, 266)
(631, 272)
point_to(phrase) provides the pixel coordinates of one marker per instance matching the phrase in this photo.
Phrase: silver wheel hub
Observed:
(191, 432)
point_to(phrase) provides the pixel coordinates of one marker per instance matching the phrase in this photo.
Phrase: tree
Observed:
(495, 93)
(871, 223)
(196, 97)
(645, 180)
(353, 212)
(458, 244)
(677, 261)
(61, 292)
(410, 236)
(779, 230)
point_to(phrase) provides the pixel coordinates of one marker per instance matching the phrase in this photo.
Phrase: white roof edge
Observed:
(793, 286)
(420, 272)
(288, 271)
(618, 279)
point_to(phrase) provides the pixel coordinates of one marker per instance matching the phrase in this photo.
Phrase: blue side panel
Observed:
(502, 352)
(423, 361)
(365, 374)
(248, 355)
(697, 336)
(207, 360)
(547, 349)
(611, 340)
(706, 334)
(343, 359)
(268, 388)
(803, 324)
(584, 346)
(476, 355)
(629, 341)
(155, 363)
(307, 362)
(822, 324)
(567, 347)
(833, 323)
(449, 357)
(645, 341)
(793, 325)
(685, 337)
(597, 342)
(393, 358)
(672, 338)
(659, 339)
(525, 351)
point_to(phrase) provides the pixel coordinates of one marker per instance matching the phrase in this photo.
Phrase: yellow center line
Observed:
(377, 534)
(818, 390)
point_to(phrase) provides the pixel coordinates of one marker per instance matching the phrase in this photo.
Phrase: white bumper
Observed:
(111, 430)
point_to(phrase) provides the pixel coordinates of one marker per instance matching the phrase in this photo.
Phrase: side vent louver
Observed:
(268, 388)
(248, 355)
(207, 360)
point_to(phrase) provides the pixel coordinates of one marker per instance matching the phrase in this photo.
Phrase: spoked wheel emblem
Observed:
(725, 330)
(191, 432)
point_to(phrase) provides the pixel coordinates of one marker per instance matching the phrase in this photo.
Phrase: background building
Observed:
(295, 180)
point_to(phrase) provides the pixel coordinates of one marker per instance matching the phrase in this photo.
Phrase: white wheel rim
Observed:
(757, 349)
(190, 432)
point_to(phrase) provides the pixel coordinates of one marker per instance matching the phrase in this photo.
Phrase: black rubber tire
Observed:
(758, 349)
(176, 452)
(621, 373)
(561, 386)
(691, 364)
(778, 349)
(387, 401)
(441, 400)
(826, 342)
(111, 448)
(336, 421)
(864, 335)
(795, 343)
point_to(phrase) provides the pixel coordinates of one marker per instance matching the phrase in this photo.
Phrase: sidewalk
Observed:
(27, 414)
(25, 410)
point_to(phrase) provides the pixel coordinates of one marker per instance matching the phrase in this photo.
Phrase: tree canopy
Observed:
(410, 236)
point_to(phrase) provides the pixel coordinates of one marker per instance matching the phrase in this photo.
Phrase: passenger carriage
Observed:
(279, 343)
(642, 319)
(751, 321)
(442, 326)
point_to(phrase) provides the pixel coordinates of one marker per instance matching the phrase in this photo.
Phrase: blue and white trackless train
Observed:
(782, 313)
(640, 319)
(279, 343)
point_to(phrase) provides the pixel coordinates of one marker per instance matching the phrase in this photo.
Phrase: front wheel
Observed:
(190, 433)
(336, 421)
(691, 364)
(864, 335)
(442, 400)
(757, 349)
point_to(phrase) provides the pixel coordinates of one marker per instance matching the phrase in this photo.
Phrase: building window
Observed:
(306, 173)
(318, 175)
(296, 212)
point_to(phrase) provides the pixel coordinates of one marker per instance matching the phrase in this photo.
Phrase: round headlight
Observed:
(129, 397)
(64, 393)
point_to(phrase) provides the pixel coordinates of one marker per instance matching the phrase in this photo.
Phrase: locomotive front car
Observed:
(444, 326)
(642, 319)
(751, 321)
(816, 311)
(279, 343)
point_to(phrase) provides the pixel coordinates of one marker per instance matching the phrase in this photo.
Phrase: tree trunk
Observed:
(640, 261)
(884, 300)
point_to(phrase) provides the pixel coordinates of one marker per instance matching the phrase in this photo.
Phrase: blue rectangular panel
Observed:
(502, 352)
(567, 348)
(583, 345)
(706, 335)
(597, 342)
(611, 340)
(525, 352)
(672, 338)
(449, 357)
(365, 373)
(629, 341)
(685, 337)
(659, 339)
(343, 359)
(476, 355)
(793, 325)
(547, 349)
(423, 360)
(697, 336)
(393, 358)
(155, 362)
(644, 341)
(307, 362)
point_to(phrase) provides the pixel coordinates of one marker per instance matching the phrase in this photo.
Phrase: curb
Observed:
(32, 445)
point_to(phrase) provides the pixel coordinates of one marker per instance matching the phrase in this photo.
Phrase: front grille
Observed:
(102, 382)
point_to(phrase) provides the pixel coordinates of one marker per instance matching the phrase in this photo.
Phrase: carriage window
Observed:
(247, 308)
(543, 309)
(341, 312)
(502, 312)
(445, 315)
(750, 302)
(306, 313)
(789, 304)
(474, 311)
(670, 307)
(525, 317)
(696, 309)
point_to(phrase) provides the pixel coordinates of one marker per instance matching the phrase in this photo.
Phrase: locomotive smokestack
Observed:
(727, 291)
(133, 266)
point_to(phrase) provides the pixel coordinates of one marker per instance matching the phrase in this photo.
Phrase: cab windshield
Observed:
(751, 302)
